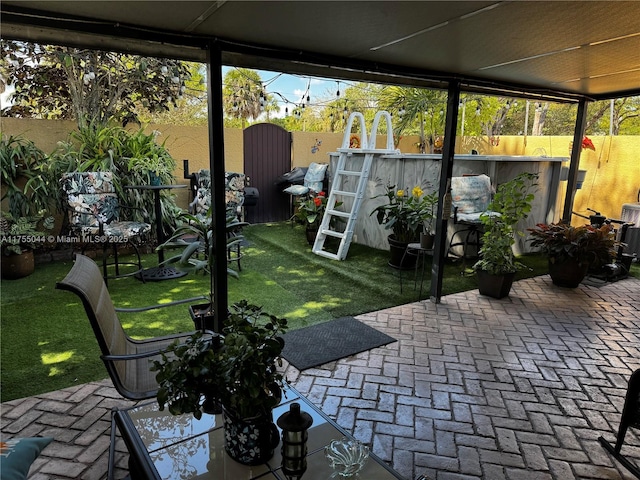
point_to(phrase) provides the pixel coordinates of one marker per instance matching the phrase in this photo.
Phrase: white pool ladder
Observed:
(350, 193)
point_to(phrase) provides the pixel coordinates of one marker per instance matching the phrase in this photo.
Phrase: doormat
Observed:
(329, 341)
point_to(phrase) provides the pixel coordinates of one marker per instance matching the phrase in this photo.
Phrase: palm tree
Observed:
(415, 110)
(243, 94)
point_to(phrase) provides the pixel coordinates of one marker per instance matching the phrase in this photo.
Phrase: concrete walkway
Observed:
(474, 388)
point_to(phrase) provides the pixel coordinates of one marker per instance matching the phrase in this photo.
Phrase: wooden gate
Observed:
(267, 155)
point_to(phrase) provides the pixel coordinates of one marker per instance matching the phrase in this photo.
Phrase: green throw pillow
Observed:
(17, 455)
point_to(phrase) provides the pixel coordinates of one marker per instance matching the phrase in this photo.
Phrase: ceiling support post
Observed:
(219, 285)
(446, 171)
(572, 181)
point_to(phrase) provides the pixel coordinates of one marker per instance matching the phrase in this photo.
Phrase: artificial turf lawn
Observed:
(48, 344)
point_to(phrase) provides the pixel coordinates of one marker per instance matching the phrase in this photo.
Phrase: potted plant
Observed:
(404, 215)
(309, 212)
(572, 250)
(238, 372)
(18, 237)
(497, 265)
(427, 235)
(195, 237)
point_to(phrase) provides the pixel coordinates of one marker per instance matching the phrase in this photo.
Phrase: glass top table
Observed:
(163, 446)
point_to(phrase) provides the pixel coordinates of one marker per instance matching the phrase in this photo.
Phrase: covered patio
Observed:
(474, 388)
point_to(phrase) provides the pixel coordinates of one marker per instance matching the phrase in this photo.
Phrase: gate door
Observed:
(267, 155)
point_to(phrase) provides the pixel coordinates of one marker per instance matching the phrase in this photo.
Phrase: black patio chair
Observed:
(127, 361)
(630, 418)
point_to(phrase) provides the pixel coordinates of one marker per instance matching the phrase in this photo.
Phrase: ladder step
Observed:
(332, 233)
(349, 172)
(324, 253)
(339, 213)
(345, 194)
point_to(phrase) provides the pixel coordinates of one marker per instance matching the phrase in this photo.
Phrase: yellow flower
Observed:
(417, 192)
(400, 193)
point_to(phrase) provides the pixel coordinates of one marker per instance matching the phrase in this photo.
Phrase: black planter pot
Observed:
(495, 286)
(567, 272)
(202, 316)
(397, 258)
(311, 233)
(250, 441)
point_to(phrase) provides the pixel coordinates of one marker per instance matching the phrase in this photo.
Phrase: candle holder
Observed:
(294, 425)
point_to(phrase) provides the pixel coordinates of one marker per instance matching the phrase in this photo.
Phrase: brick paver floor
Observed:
(474, 388)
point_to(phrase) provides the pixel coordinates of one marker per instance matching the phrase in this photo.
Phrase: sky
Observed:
(295, 88)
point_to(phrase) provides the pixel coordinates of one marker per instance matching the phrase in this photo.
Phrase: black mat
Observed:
(325, 342)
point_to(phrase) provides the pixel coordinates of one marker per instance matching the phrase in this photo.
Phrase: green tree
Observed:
(416, 111)
(90, 86)
(243, 95)
(191, 108)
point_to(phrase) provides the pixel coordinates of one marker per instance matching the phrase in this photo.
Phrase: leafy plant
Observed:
(404, 214)
(25, 187)
(131, 157)
(18, 234)
(311, 207)
(511, 204)
(240, 373)
(585, 243)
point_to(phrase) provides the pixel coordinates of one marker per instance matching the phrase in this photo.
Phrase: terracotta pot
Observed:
(250, 441)
(567, 272)
(18, 266)
(495, 286)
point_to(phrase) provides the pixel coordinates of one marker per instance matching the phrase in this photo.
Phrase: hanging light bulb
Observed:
(338, 91)
(286, 111)
(235, 106)
(478, 110)
(308, 99)
(402, 111)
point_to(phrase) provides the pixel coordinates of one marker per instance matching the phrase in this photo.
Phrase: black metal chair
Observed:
(127, 361)
(630, 418)
(470, 195)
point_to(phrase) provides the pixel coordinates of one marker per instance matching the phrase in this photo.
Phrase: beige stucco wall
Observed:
(613, 170)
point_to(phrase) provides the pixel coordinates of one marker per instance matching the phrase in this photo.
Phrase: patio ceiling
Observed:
(557, 48)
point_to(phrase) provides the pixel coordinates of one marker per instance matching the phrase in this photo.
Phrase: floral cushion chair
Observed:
(93, 212)
(470, 198)
(233, 187)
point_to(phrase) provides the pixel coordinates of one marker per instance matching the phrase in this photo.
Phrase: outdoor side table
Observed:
(161, 272)
(164, 446)
(417, 251)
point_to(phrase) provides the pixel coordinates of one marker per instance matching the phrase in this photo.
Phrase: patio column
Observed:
(216, 167)
(578, 135)
(446, 171)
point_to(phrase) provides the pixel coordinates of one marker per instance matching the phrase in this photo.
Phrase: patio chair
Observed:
(234, 192)
(630, 418)
(470, 198)
(93, 213)
(127, 360)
